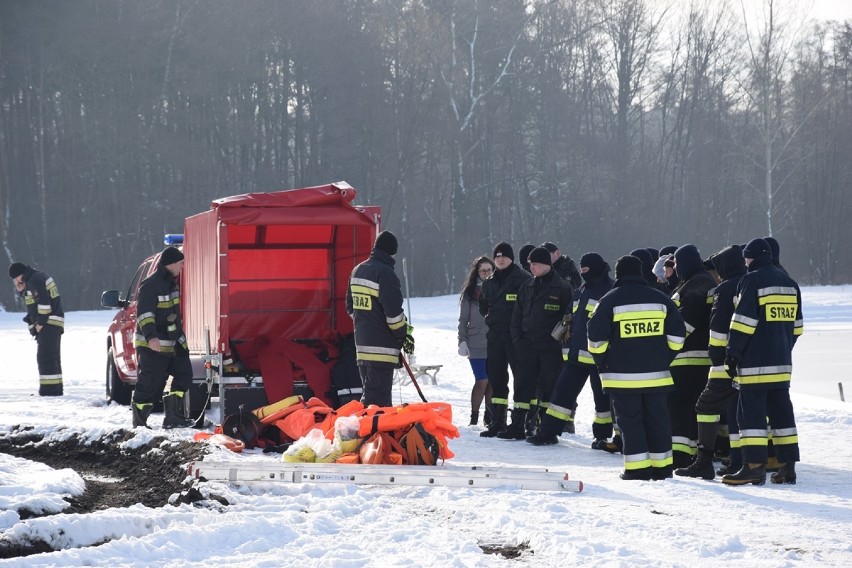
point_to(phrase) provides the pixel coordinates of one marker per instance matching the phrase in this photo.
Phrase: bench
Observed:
(428, 371)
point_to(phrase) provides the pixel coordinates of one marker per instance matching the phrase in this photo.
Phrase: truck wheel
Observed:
(116, 389)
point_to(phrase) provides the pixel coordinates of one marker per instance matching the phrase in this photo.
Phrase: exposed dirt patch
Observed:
(507, 551)
(115, 477)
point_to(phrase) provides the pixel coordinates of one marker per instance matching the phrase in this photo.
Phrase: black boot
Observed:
(786, 474)
(701, 466)
(498, 421)
(173, 407)
(750, 473)
(517, 429)
(542, 438)
(532, 421)
(474, 418)
(141, 412)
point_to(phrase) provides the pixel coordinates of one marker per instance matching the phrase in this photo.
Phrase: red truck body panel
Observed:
(265, 270)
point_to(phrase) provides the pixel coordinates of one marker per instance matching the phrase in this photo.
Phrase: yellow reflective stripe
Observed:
(639, 314)
(691, 361)
(364, 290)
(500, 401)
(587, 359)
(598, 346)
(779, 441)
(777, 299)
(708, 418)
(742, 328)
(637, 461)
(377, 357)
(661, 459)
(762, 379)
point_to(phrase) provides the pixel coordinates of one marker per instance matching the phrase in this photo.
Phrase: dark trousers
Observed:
(500, 357)
(538, 365)
(378, 385)
(154, 371)
(689, 382)
(49, 359)
(754, 406)
(572, 379)
(715, 399)
(643, 419)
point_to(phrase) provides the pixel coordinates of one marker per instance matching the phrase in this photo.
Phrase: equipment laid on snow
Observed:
(248, 473)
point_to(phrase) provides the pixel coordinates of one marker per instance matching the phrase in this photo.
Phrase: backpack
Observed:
(245, 426)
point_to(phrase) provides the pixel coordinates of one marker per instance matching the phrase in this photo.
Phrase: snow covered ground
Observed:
(678, 522)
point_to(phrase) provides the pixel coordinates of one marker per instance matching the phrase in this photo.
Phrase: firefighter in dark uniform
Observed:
(497, 303)
(634, 334)
(563, 265)
(719, 395)
(161, 346)
(374, 300)
(46, 321)
(579, 364)
(690, 368)
(543, 302)
(766, 323)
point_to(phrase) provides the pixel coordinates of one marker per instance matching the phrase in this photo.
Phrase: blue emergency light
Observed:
(173, 239)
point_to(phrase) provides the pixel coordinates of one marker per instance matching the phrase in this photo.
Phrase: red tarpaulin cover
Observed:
(265, 269)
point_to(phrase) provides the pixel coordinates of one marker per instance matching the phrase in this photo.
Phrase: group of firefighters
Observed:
(670, 346)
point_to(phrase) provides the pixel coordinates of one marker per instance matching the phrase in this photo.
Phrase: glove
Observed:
(408, 342)
(731, 364)
(464, 351)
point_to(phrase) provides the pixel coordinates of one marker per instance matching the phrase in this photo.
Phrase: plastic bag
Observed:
(310, 448)
(346, 433)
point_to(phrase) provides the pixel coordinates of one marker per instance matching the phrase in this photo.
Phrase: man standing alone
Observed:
(374, 301)
(161, 345)
(46, 321)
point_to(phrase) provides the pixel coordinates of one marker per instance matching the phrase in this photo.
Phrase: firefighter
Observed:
(563, 265)
(579, 364)
(374, 301)
(497, 302)
(46, 321)
(719, 395)
(767, 321)
(543, 302)
(690, 368)
(634, 334)
(161, 346)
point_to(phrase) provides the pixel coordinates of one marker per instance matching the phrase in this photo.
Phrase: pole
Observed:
(407, 291)
(840, 388)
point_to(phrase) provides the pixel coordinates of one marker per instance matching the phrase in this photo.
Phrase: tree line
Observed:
(600, 125)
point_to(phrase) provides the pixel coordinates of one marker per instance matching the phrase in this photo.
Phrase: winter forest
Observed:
(601, 125)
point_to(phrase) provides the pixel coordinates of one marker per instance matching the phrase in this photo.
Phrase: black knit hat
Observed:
(551, 247)
(504, 249)
(525, 252)
(386, 241)
(757, 248)
(170, 255)
(540, 255)
(16, 269)
(627, 266)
